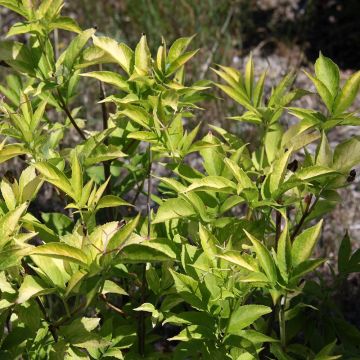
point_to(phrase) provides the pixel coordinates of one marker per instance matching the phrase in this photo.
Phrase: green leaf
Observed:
(233, 78)
(277, 95)
(54, 176)
(279, 169)
(81, 332)
(328, 73)
(208, 243)
(264, 257)
(324, 156)
(284, 252)
(237, 96)
(121, 53)
(348, 94)
(109, 77)
(188, 288)
(93, 55)
(8, 194)
(30, 287)
(240, 174)
(74, 49)
(147, 307)
(259, 90)
(142, 55)
(304, 244)
(12, 256)
(52, 270)
(61, 251)
(76, 176)
(110, 287)
(65, 23)
(24, 28)
(9, 223)
(141, 250)
(38, 115)
(178, 47)
(173, 209)
(49, 9)
(326, 351)
(215, 183)
(236, 258)
(244, 316)
(18, 56)
(7, 152)
(137, 115)
(118, 240)
(255, 337)
(347, 154)
(111, 201)
(249, 77)
(323, 91)
(180, 61)
(15, 6)
(313, 172)
(304, 268)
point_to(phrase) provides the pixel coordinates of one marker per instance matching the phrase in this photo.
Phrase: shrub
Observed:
(219, 265)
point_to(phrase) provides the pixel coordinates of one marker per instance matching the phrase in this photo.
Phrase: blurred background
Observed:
(281, 34)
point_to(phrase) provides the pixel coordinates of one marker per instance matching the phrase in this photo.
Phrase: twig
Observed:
(52, 329)
(56, 43)
(111, 306)
(138, 192)
(305, 214)
(68, 113)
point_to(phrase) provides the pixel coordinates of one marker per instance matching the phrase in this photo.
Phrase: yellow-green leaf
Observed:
(304, 244)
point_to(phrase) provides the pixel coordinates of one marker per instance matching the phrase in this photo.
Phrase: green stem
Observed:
(262, 145)
(282, 321)
(63, 105)
(67, 310)
(306, 213)
(141, 324)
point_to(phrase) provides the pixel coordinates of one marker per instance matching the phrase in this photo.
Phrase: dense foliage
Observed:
(219, 265)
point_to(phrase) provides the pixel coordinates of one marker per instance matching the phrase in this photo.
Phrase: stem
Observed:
(67, 310)
(111, 306)
(306, 213)
(141, 325)
(138, 192)
(56, 43)
(266, 353)
(105, 116)
(278, 227)
(148, 200)
(262, 145)
(52, 329)
(68, 113)
(65, 318)
(47, 319)
(282, 321)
